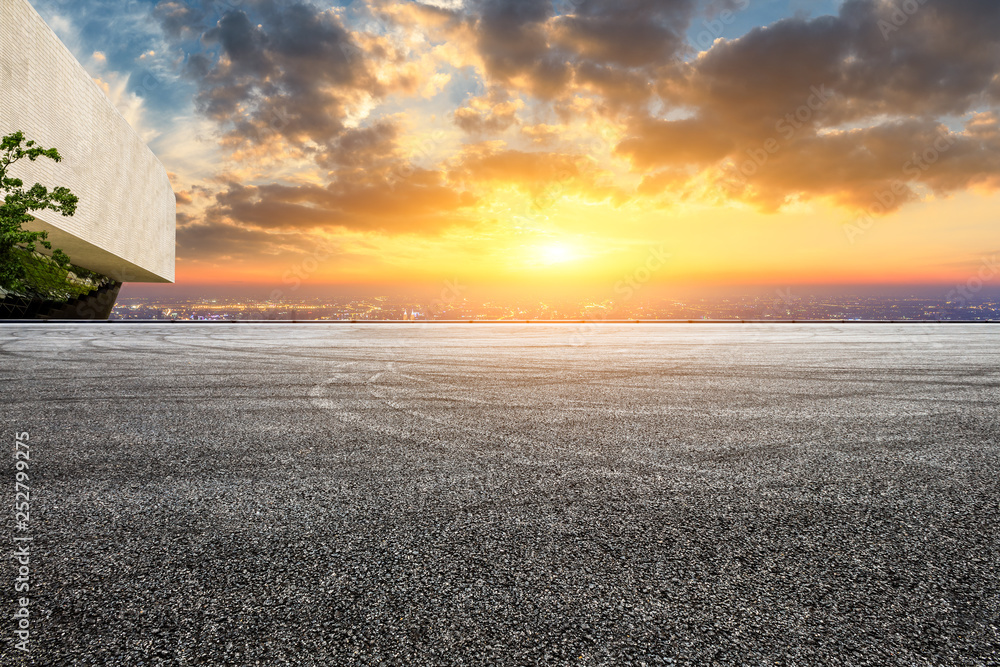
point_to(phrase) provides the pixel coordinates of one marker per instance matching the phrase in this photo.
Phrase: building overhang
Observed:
(125, 223)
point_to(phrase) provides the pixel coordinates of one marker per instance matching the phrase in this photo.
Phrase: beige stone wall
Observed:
(125, 224)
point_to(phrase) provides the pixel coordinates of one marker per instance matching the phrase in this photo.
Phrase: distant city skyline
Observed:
(777, 306)
(455, 288)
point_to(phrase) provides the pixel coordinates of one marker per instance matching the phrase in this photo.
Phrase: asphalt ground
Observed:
(505, 495)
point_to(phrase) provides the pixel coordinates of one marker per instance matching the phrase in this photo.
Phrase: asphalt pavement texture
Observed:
(241, 494)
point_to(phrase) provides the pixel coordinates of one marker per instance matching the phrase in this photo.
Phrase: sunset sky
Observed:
(524, 142)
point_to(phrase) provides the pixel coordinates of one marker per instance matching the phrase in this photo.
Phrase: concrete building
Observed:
(125, 224)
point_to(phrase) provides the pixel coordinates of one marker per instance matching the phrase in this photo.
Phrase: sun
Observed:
(550, 253)
(557, 253)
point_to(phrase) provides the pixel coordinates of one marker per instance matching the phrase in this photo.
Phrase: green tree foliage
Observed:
(19, 203)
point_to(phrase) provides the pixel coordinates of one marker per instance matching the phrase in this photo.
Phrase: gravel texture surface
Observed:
(507, 494)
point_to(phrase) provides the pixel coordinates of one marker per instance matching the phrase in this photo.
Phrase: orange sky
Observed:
(523, 143)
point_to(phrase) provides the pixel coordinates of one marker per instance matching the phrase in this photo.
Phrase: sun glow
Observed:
(557, 253)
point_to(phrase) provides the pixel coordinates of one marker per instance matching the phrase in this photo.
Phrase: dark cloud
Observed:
(883, 166)
(420, 202)
(491, 114)
(513, 42)
(243, 43)
(836, 106)
(367, 147)
(277, 69)
(938, 61)
(748, 84)
(656, 143)
(618, 88)
(477, 122)
(220, 241)
(852, 168)
(628, 33)
(526, 44)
